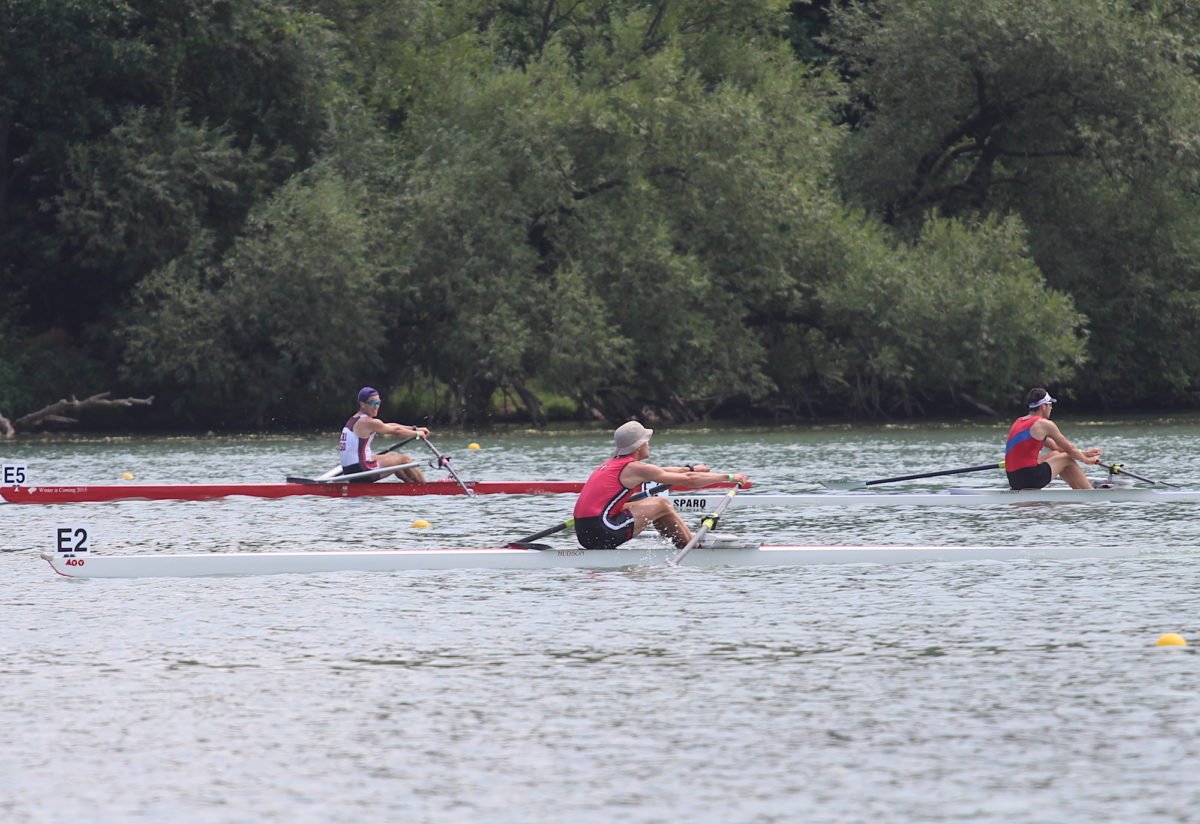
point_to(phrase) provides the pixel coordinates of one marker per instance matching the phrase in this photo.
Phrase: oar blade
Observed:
(844, 486)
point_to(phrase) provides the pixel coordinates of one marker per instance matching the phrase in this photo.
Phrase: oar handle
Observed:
(397, 445)
(567, 524)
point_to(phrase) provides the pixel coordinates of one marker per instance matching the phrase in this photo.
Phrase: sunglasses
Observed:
(372, 403)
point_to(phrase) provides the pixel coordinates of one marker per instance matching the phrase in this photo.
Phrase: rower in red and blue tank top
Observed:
(1024, 464)
(606, 517)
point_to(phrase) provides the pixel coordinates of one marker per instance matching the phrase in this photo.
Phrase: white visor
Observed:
(1045, 400)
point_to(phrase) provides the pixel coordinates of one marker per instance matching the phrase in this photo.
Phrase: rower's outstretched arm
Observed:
(1059, 441)
(641, 472)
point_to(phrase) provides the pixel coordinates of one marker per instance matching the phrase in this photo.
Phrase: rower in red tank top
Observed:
(604, 496)
(605, 517)
(1026, 467)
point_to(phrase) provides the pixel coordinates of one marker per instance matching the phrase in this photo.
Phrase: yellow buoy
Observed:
(1170, 639)
(472, 446)
(420, 523)
(128, 476)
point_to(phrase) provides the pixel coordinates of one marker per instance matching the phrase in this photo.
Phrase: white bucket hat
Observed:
(629, 436)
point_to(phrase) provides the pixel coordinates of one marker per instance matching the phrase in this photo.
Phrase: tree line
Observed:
(674, 209)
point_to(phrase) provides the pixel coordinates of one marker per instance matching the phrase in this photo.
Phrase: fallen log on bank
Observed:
(64, 411)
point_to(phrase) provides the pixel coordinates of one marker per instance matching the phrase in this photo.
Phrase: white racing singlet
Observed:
(353, 449)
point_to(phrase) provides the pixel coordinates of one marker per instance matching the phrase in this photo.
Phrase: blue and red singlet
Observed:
(1022, 448)
(1021, 456)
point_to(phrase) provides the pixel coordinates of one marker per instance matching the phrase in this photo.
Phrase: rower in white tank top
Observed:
(355, 452)
(354, 447)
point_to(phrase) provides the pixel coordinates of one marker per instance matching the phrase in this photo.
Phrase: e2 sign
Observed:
(72, 540)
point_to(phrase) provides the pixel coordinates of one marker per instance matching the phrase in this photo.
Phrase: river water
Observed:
(942, 692)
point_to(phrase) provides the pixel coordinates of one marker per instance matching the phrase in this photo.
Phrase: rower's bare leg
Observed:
(413, 475)
(660, 513)
(1064, 466)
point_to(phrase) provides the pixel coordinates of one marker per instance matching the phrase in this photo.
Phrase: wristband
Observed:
(730, 477)
(691, 467)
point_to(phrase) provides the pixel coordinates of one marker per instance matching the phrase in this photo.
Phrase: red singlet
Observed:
(603, 494)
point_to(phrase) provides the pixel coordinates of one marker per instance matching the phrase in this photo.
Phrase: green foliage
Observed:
(293, 310)
(131, 130)
(970, 100)
(61, 64)
(1078, 115)
(13, 367)
(36, 370)
(416, 402)
(608, 234)
(963, 310)
(251, 207)
(132, 200)
(560, 407)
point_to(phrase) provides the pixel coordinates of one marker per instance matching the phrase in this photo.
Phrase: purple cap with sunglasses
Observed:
(366, 392)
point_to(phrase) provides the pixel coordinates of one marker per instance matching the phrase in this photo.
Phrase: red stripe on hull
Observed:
(204, 492)
(201, 492)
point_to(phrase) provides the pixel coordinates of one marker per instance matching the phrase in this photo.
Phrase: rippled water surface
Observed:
(985, 692)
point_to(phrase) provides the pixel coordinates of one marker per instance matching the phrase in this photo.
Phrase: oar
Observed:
(570, 522)
(337, 479)
(706, 524)
(444, 463)
(1115, 469)
(999, 465)
(528, 541)
(337, 470)
(396, 445)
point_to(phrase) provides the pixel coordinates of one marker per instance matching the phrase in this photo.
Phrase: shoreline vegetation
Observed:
(600, 430)
(703, 210)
